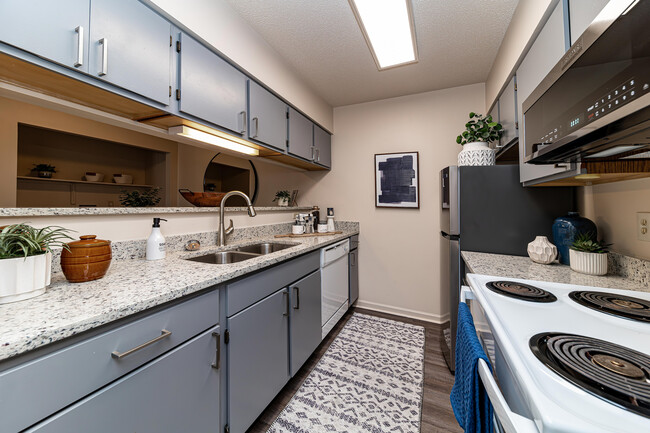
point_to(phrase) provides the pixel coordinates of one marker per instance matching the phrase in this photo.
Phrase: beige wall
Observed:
(613, 208)
(219, 25)
(399, 260)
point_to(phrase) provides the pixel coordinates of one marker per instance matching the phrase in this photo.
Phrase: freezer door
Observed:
(449, 200)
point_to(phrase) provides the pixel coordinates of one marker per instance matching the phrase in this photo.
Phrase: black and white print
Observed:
(397, 180)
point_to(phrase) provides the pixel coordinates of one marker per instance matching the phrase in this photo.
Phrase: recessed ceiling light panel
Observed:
(388, 28)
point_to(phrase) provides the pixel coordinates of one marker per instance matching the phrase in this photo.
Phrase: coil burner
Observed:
(521, 291)
(611, 372)
(616, 305)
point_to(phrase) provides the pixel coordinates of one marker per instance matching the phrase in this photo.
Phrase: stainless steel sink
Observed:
(224, 257)
(264, 248)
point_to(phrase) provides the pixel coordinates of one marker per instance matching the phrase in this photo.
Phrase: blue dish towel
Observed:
(468, 397)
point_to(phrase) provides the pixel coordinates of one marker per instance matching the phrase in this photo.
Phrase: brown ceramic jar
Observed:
(87, 260)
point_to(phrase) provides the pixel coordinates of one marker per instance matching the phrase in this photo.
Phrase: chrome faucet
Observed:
(223, 232)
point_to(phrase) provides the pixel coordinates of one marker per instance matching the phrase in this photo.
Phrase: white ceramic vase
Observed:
(542, 251)
(588, 263)
(23, 278)
(283, 201)
(477, 153)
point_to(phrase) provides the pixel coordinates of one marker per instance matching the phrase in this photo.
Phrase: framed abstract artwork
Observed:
(397, 180)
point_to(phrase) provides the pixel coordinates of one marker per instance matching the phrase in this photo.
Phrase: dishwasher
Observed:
(334, 284)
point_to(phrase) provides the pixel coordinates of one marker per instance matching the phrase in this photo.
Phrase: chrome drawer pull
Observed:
(217, 363)
(164, 334)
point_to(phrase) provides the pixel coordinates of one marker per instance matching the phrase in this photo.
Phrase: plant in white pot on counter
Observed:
(282, 197)
(587, 255)
(26, 260)
(479, 132)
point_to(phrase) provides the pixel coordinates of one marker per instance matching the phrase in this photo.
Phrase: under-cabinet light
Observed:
(387, 26)
(217, 140)
(587, 176)
(615, 150)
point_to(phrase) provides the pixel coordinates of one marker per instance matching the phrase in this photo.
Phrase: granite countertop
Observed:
(129, 287)
(523, 267)
(58, 211)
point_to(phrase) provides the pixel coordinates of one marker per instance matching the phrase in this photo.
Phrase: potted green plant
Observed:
(282, 197)
(479, 132)
(26, 259)
(140, 199)
(44, 170)
(588, 255)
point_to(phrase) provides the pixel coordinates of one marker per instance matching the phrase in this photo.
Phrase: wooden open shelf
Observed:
(44, 179)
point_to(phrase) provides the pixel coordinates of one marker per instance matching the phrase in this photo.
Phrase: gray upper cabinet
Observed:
(581, 14)
(54, 30)
(267, 117)
(305, 319)
(130, 47)
(210, 88)
(301, 135)
(495, 117)
(508, 113)
(323, 147)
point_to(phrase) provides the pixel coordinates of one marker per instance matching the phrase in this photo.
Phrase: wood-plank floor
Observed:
(437, 416)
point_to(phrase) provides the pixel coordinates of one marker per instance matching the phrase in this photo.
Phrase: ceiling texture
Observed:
(320, 39)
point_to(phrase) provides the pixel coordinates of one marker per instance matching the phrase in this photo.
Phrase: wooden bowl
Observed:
(87, 260)
(203, 199)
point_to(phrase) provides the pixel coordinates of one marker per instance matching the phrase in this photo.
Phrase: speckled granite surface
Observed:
(522, 267)
(131, 286)
(38, 211)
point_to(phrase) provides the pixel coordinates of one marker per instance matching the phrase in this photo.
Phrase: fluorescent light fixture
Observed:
(221, 140)
(615, 150)
(587, 176)
(388, 28)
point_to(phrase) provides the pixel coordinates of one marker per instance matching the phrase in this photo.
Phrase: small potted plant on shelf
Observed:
(26, 259)
(282, 197)
(479, 132)
(44, 170)
(588, 255)
(136, 198)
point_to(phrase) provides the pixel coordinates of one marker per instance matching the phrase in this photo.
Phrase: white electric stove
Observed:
(562, 358)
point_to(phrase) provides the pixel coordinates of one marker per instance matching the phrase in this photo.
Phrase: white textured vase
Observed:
(23, 278)
(588, 263)
(283, 201)
(477, 153)
(542, 251)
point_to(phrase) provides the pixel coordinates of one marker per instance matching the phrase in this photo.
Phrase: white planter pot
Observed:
(588, 263)
(542, 251)
(283, 202)
(23, 278)
(477, 153)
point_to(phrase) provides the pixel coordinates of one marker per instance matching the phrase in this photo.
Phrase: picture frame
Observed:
(294, 198)
(397, 180)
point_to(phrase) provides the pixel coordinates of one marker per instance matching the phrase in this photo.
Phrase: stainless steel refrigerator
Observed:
(485, 209)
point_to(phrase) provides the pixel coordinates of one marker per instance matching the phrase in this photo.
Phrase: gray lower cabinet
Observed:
(54, 30)
(210, 88)
(305, 319)
(258, 358)
(323, 147)
(177, 392)
(354, 275)
(267, 117)
(130, 47)
(301, 135)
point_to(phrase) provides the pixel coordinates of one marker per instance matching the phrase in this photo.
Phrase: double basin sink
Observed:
(241, 253)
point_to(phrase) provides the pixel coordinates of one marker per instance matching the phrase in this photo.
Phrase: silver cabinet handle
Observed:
(256, 125)
(80, 46)
(164, 334)
(313, 149)
(242, 119)
(104, 43)
(297, 292)
(317, 155)
(285, 295)
(217, 363)
(353, 259)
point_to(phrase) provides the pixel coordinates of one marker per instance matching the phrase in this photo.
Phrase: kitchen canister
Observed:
(88, 259)
(565, 230)
(542, 251)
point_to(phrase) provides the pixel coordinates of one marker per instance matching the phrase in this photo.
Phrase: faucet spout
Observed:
(222, 230)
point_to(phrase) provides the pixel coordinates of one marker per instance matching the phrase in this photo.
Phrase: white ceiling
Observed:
(321, 40)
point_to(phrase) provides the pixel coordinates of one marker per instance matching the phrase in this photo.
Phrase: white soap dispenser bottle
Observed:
(156, 242)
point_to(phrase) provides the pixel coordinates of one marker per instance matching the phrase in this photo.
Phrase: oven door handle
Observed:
(465, 294)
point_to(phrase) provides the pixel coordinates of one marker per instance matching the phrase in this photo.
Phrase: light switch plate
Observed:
(643, 226)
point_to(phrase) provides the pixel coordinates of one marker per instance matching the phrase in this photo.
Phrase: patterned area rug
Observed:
(369, 380)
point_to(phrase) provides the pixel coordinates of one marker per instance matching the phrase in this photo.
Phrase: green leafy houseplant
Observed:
(282, 195)
(585, 242)
(44, 167)
(140, 199)
(22, 240)
(480, 128)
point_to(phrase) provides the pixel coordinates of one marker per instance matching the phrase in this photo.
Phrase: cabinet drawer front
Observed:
(36, 389)
(178, 392)
(251, 289)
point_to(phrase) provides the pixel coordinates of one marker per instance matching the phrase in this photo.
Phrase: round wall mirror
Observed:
(227, 173)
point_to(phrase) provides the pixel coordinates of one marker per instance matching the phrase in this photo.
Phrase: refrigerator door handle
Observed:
(450, 237)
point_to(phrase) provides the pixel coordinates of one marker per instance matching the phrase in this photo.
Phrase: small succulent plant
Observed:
(44, 167)
(480, 128)
(587, 243)
(140, 199)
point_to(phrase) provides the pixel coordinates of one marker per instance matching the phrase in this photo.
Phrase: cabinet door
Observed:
(177, 392)
(258, 358)
(508, 113)
(495, 117)
(305, 319)
(55, 30)
(211, 88)
(130, 47)
(581, 14)
(301, 135)
(268, 117)
(545, 52)
(323, 145)
(354, 275)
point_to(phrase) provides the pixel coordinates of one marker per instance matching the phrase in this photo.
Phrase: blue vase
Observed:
(565, 230)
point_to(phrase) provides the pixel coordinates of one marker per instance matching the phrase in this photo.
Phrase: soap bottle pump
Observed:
(156, 242)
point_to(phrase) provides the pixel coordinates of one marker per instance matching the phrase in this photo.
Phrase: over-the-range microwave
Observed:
(594, 105)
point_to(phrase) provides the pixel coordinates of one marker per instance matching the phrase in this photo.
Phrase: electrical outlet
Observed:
(643, 226)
